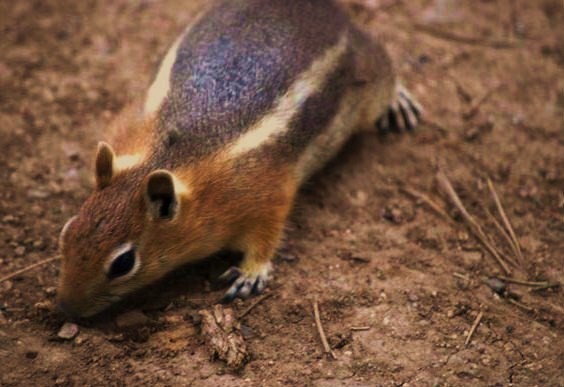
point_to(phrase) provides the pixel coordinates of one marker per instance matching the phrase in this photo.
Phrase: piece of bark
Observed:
(222, 332)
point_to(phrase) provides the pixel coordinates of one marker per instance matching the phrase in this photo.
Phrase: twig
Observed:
(480, 101)
(515, 245)
(444, 183)
(428, 201)
(473, 329)
(360, 328)
(544, 287)
(520, 282)
(502, 232)
(28, 268)
(324, 341)
(434, 125)
(257, 301)
(447, 35)
(520, 305)
(461, 276)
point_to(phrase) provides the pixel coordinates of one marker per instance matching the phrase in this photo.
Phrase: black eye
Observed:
(122, 264)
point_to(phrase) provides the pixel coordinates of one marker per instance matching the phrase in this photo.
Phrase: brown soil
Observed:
(372, 255)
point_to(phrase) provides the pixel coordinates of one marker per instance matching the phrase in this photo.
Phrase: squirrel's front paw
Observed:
(244, 284)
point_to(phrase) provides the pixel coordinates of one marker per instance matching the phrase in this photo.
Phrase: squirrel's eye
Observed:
(122, 264)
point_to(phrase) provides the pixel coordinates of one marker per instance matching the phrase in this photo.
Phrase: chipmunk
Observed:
(250, 100)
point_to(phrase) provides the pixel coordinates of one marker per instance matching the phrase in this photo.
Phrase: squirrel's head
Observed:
(119, 240)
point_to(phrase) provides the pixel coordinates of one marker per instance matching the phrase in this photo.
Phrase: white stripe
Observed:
(277, 121)
(161, 85)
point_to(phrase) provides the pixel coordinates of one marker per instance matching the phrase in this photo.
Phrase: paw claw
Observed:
(230, 274)
(403, 114)
(244, 285)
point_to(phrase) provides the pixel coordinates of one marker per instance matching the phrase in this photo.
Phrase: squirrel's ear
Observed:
(104, 165)
(161, 194)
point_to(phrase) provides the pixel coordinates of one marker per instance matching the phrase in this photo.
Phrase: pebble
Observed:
(44, 305)
(50, 290)
(20, 250)
(37, 194)
(359, 198)
(8, 219)
(68, 331)
(393, 214)
(38, 244)
(412, 297)
(496, 285)
(3, 319)
(131, 319)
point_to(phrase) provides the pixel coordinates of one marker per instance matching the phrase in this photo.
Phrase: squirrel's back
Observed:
(236, 62)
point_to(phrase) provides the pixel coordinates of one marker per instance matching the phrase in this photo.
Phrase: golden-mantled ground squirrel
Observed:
(250, 100)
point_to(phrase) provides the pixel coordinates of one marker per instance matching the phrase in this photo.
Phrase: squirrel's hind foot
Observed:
(404, 113)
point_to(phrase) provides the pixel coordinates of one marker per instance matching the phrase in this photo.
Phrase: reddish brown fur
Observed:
(222, 201)
(247, 214)
(130, 132)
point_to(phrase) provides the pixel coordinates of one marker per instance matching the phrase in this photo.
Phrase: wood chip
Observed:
(222, 333)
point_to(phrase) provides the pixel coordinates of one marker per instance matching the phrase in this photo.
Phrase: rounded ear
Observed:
(160, 194)
(104, 168)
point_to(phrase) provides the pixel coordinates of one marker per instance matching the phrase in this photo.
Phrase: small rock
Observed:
(3, 319)
(80, 340)
(37, 194)
(48, 95)
(38, 244)
(44, 305)
(247, 332)
(19, 251)
(118, 338)
(50, 290)
(359, 198)
(393, 214)
(496, 285)
(68, 331)
(37, 210)
(31, 354)
(528, 190)
(471, 133)
(412, 297)
(8, 219)
(288, 256)
(131, 319)
(471, 259)
(7, 285)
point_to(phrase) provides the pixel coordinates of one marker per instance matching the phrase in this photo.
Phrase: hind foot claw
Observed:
(243, 284)
(403, 114)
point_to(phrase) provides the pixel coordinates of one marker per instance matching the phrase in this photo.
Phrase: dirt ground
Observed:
(490, 74)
